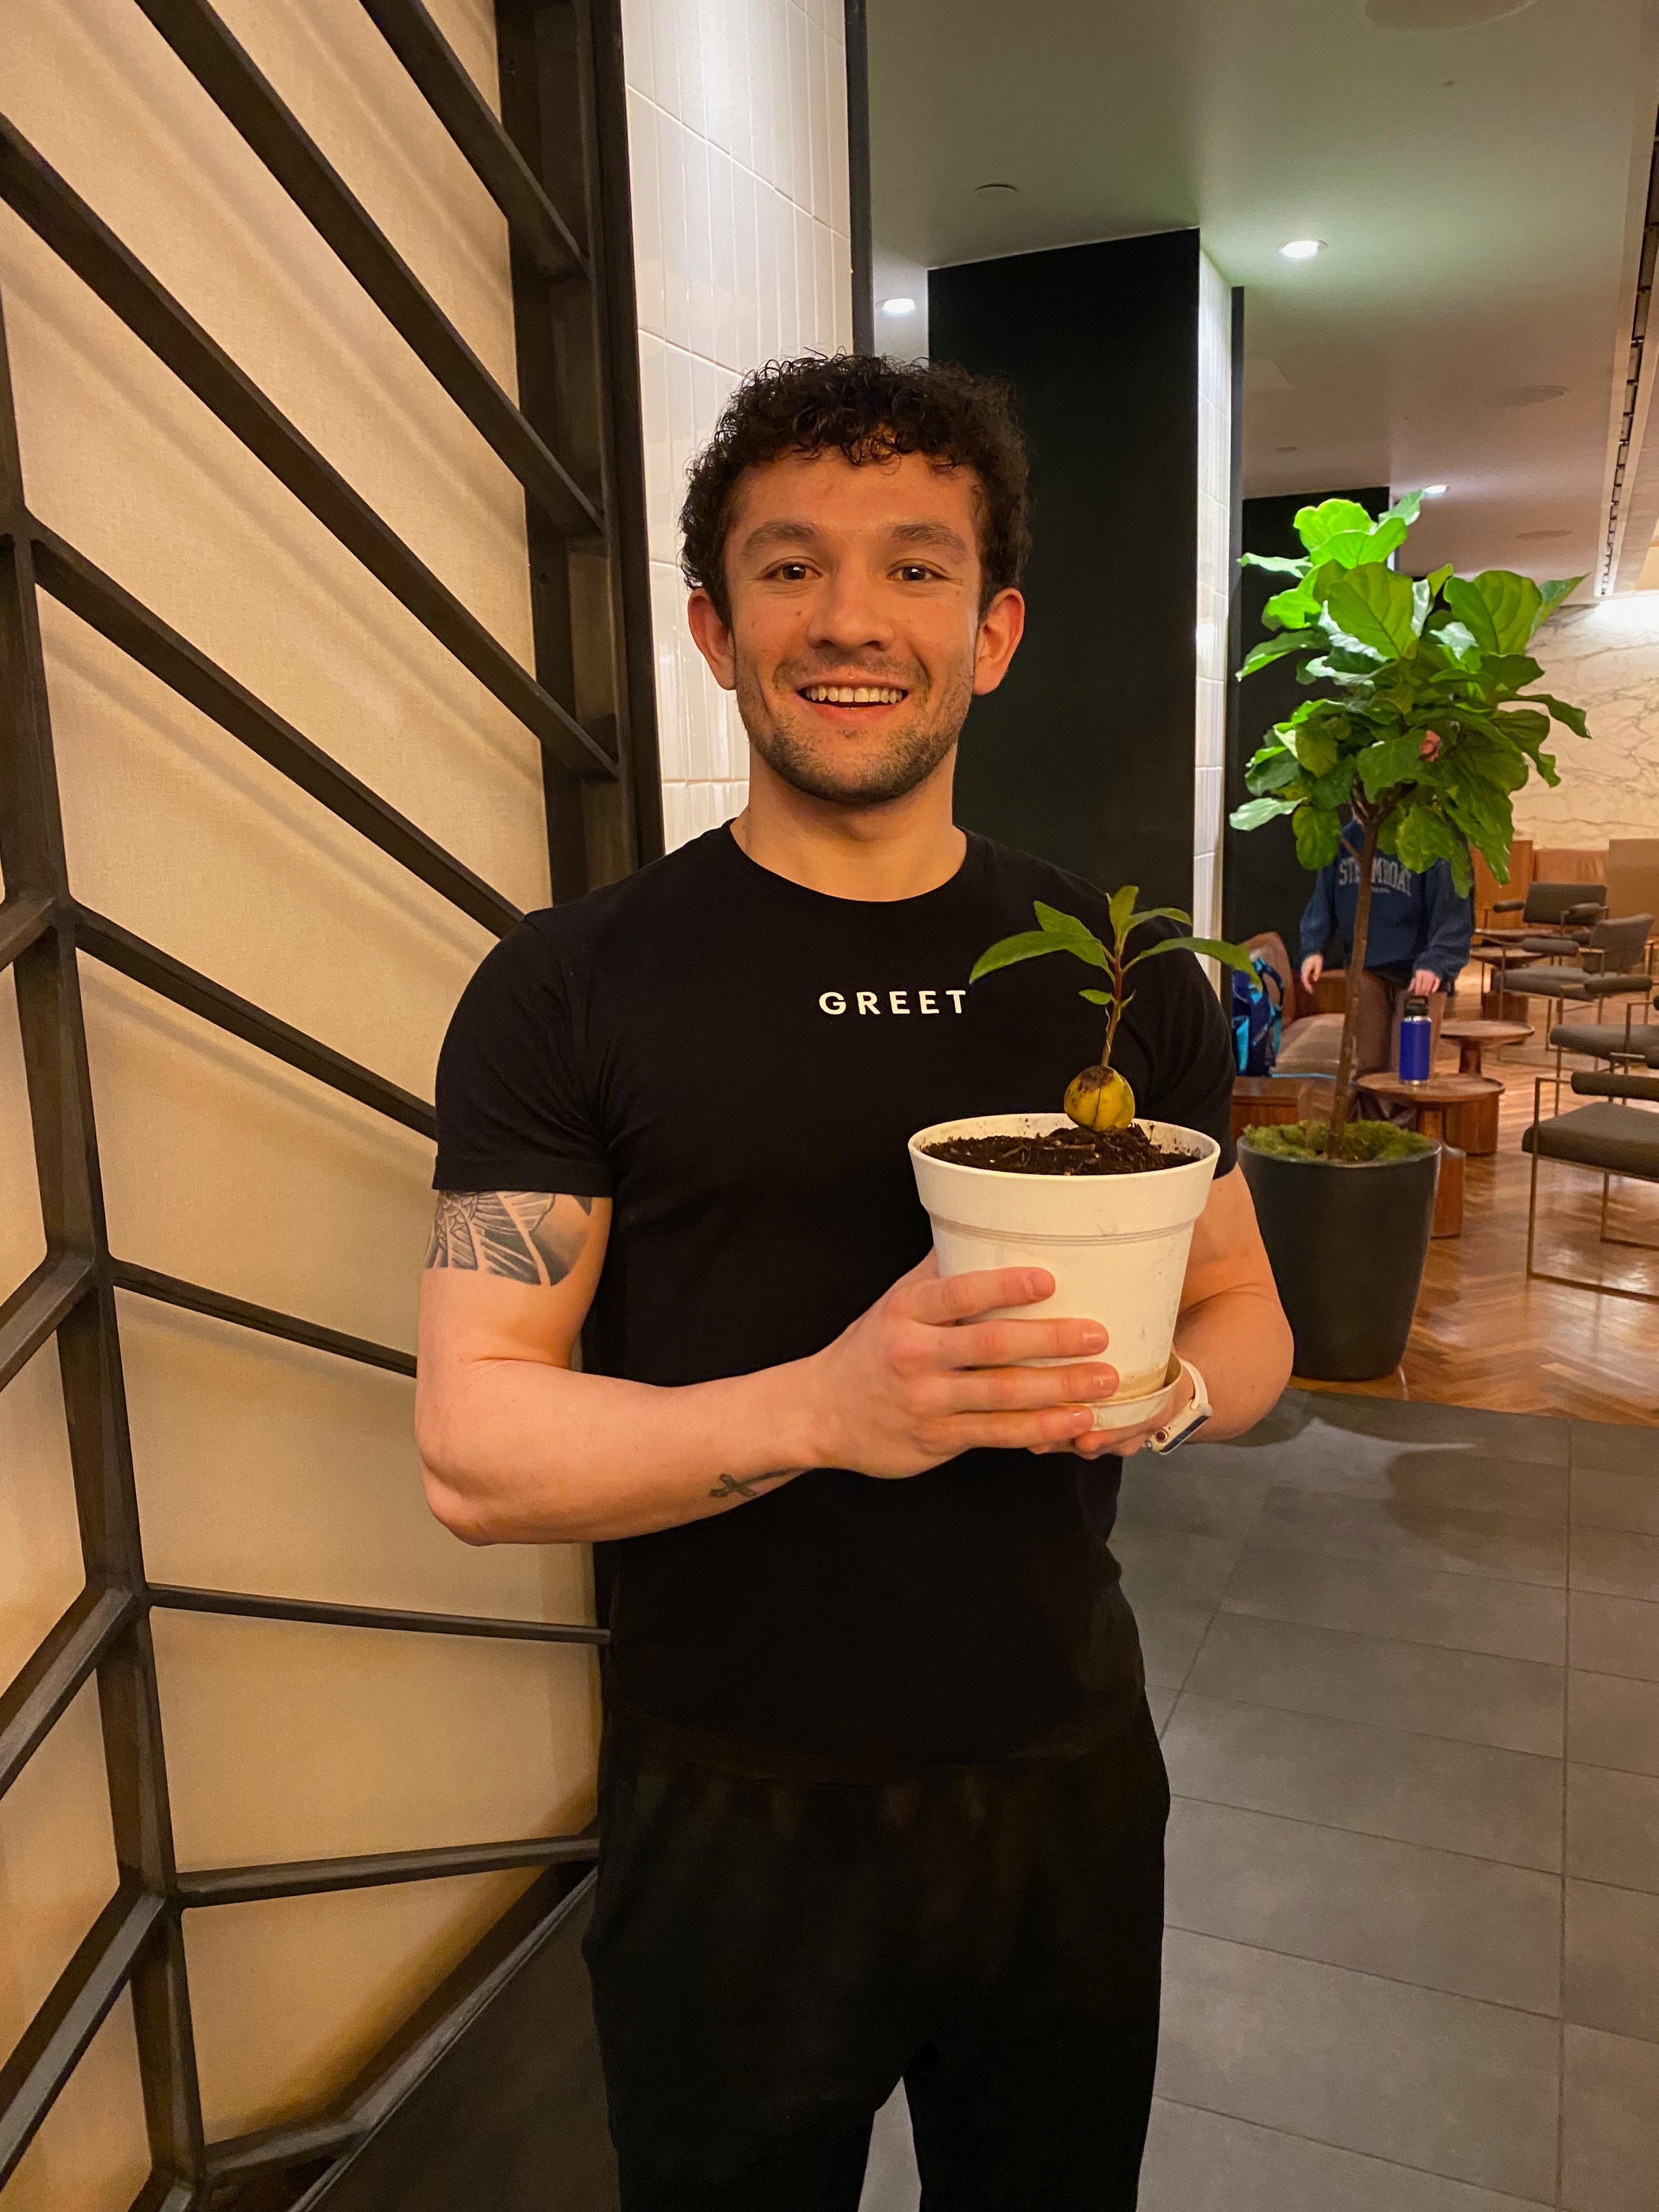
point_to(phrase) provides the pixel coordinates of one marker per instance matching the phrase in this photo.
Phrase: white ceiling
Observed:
(1480, 191)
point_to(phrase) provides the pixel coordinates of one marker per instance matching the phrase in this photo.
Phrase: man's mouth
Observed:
(853, 695)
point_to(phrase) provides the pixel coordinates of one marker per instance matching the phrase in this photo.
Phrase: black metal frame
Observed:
(556, 166)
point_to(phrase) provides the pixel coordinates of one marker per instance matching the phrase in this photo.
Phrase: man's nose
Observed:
(848, 614)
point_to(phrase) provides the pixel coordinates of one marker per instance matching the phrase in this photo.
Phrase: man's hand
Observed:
(1124, 1443)
(1312, 968)
(922, 1375)
(1425, 983)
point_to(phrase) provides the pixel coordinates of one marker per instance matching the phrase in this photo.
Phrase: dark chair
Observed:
(1613, 1137)
(1611, 964)
(1630, 1042)
(1557, 907)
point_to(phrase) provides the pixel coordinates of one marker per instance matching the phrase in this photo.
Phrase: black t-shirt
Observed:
(740, 1062)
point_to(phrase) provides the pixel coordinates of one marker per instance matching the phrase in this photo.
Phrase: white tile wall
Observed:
(737, 128)
(1215, 386)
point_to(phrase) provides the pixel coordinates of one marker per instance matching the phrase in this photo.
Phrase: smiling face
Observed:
(856, 638)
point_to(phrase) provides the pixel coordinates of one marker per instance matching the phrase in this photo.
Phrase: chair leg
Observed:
(1602, 1232)
(1532, 1195)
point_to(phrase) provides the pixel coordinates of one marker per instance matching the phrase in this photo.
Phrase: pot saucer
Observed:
(1131, 1413)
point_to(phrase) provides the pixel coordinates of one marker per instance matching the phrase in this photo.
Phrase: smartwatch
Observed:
(1189, 1421)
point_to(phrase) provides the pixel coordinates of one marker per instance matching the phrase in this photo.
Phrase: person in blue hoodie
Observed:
(1417, 942)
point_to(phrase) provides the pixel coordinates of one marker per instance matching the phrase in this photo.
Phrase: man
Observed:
(880, 1795)
(1417, 943)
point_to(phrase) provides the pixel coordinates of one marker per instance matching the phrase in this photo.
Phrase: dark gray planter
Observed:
(1347, 1246)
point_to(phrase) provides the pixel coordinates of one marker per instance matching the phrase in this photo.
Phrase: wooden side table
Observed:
(1431, 1100)
(1497, 1004)
(1474, 1126)
(1261, 1101)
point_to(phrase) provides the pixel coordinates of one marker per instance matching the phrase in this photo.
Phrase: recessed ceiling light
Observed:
(1303, 249)
(1527, 395)
(996, 188)
(1284, 449)
(899, 307)
(1434, 491)
(1543, 534)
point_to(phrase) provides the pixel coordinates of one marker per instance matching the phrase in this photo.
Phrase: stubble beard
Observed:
(851, 771)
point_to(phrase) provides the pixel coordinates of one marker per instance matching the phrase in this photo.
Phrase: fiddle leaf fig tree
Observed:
(1428, 722)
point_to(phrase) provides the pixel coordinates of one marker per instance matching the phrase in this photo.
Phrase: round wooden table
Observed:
(1474, 1126)
(1433, 1100)
(1497, 1004)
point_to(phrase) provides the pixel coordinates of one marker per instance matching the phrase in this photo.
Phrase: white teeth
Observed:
(853, 695)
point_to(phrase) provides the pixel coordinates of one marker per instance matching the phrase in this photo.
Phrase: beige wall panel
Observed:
(121, 460)
(40, 1569)
(90, 2155)
(58, 1868)
(223, 1165)
(326, 1979)
(181, 834)
(263, 1466)
(287, 1741)
(22, 1240)
(103, 98)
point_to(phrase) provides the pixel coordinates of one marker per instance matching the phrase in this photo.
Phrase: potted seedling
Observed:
(1427, 724)
(1104, 1201)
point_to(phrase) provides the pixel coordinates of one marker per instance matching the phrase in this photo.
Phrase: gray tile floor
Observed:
(1406, 1663)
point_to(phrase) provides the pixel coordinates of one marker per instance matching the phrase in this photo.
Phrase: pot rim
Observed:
(1013, 1175)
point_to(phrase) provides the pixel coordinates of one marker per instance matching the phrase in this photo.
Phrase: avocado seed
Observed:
(1099, 1098)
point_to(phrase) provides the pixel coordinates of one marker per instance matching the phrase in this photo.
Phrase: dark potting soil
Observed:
(1071, 1151)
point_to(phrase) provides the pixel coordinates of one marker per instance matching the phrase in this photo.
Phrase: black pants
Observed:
(768, 1959)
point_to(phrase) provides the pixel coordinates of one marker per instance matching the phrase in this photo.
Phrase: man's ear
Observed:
(713, 638)
(1001, 629)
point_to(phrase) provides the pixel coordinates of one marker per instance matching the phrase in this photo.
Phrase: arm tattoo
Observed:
(748, 1486)
(521, 1235)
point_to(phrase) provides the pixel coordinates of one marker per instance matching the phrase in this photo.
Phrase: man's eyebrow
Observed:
(787, 529)
(784, 531)
(938, 534)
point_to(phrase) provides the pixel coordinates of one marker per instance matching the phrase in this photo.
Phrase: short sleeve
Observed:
(1192, 1055)
(513, 1094)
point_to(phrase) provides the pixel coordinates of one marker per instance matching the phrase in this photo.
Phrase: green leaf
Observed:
(1424, 837)
(1377, 606)
(1500, 609)
(1315, 747)
(1318, 834)
(1276, 564)
(1336, 788)
(1507, 671)
(1437, 577)
(1121, 906)
(1275, 648)
(1291, 610)
(1457, 636)
(1551, 595)
(1272, 769)
(1096, 998)
(1315, 524)
(1388, 537)
(1573, 717)
(1254, 811)
(1394, 760)
(1208, 948)
(1156, 914)
(1058, 924)
(1028, 945)
(1405, 509)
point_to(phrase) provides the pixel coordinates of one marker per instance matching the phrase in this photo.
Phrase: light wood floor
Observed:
(1485, 1336)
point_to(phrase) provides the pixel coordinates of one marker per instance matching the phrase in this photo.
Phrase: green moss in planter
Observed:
(1361, 1141)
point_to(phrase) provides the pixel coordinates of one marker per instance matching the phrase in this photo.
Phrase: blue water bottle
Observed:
(1416, 1042)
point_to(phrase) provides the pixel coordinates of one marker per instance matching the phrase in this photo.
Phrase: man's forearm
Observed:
(518, 1453)
(1240, 1343)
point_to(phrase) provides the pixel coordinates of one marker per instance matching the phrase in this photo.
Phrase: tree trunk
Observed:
(1362, 921)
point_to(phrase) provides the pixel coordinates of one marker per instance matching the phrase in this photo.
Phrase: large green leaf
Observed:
(1315, 524)
(1208, 948)
(1424, 837)
(1405, 509)
(1275, 648)
(1336, 788)
(1254, 811)
(1059, 924)
(1551, 594)
(1572, 717)
(1507, 671)
(1276, 564)
(1376, 605)
(1121, 906)
(1318, 834)
(1392, 761)
(1157, 913)
(1272, 769)
(1315, 747)
(1291, 610)
(1028, 944)
(1500, 609)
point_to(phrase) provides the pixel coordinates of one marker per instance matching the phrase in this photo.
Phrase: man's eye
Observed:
(788, 572)
(916, 572)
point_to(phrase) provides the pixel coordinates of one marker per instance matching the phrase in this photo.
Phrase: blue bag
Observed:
(1258, 1001)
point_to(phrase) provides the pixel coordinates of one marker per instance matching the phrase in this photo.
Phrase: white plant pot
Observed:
(1117, 1245)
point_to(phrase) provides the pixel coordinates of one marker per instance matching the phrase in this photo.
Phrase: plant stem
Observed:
(1370, 824)
(1116, 1006)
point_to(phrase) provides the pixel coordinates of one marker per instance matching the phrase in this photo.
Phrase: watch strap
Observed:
(1191, 1418)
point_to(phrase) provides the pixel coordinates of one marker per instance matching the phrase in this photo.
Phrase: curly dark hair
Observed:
(869, 409)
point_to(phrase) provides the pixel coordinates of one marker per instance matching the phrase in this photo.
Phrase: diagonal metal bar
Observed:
(197, 1297)
(71, 2015)
(247, 1885)
(57, 1670)
(251, 1605)
(22, 919)
(185, 987)
(58, 216)
(79, 585)
(36, 1306)
(468, 118)
(231, 79)
(161, 2193)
